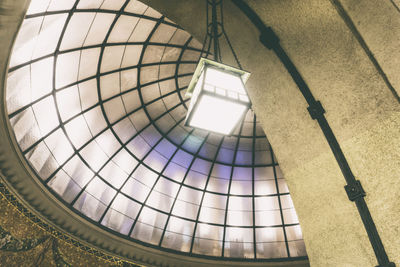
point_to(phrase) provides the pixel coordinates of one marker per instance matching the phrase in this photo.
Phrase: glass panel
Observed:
(117, 221)
(41, 78)
(136, 7)
(64, 186)
(153, 53)
(89, 58)
(167, 187)
(112, 58)
(78, 132)
(67, 68)
(297, 248)
(113, 174)
(60, 5)
(131, 57)
(265, 187)
(49, 34)
(90, 206)
(88, 93)
(95, 120)
(142, 30)
(114, 109)
(77, 29)
(207, 247)
(290, 216)
(175, 172)
(18, 89)
(136, 189)
(138, 147)
(240, 211)
(108, 143)
(239, 242)
(99, 29)
(131, 102)
(83, 4)
(185, 209)
(160, 201)
(124, 130)
(163, 33)
(149, 226)
(94, 156)
(46, 115)
(145, 175)
(100, 190)
(59, 146)
(42, 160)
(123, 29)
(178, 234)
(112, 4)
(271, 250)
(125, 161)
(26, 40)
(37, 6)
(78, 171)
(68, 102)
(123, 155)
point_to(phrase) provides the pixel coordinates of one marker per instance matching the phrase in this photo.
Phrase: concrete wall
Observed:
(348, 53)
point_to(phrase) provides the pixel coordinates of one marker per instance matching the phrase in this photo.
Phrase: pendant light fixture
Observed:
(219, 98)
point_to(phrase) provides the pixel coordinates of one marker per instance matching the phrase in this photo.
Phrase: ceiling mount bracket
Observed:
(355, 190)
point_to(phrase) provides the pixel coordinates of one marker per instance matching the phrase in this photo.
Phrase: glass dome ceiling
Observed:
(95, 97)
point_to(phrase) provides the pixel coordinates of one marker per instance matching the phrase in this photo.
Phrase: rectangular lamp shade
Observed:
(219, 99)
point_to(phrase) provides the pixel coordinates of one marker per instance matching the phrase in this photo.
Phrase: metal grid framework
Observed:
(95, 96)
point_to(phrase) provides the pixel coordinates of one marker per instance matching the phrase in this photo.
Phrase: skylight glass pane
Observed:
(163, 34)
(78, 171)
(94, 156)
(68, 102)
(90, 206)
(86, 4)
(18, 89)
(239, 242)
(112, 4)
(89, 58)
(49, 34)
(142, 30)
(64, 186)
(42, 160)
(113, 174)
(99, 29)
(123, 28)
(37, 6)
(136, 190)
(101, 123)
(88, 93)
(78, 132)
(60, 5)
(59, 146)
(77, 30)
(26, 40)
(41, 78)
(131, 58)
(178, 234)
(117, 221)
(46, 115)
(95, 120)
(67, 68)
